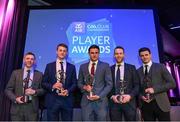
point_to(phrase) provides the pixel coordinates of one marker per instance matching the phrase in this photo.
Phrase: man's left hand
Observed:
(30, 91)
(93, 97)
(63, 93)
(126, 98)
(149, 90)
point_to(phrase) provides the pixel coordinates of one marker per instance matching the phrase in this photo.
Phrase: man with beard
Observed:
(122, 98)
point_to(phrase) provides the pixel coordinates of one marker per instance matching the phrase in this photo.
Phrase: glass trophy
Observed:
(60, 76)
(89, 80)
(147, 84)
(122, 85)
(25, 97)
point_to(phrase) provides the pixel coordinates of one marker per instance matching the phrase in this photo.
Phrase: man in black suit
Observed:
(60, 81)
(126, 74)
(155, 102)
(23, 89)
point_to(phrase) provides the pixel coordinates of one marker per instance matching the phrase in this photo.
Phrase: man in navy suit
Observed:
(123, 74)
(59, 80)
(94, 106)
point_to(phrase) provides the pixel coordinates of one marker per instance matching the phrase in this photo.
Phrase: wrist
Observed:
(35, 92)
(84, 87)
(112, 96)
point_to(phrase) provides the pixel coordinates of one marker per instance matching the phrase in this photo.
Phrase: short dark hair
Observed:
(30, 53)
(93, 46)
(144, 49)
(118, 47)
(62, 45)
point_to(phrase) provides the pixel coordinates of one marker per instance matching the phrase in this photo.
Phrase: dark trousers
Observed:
(151, 112)
(118, 110)
(95, 111)
(57, 109)
(25, 113)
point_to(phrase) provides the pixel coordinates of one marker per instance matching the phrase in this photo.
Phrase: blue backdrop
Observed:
(80, 28)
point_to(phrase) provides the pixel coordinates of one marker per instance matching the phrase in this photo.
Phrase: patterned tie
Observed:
(93, 68)
(27, 79)
(62, 72)
(62, 68)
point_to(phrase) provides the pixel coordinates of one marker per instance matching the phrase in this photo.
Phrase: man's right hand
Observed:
(57, 85)
(18, 100)
(88, 88)
(145, 99)
(114, 98)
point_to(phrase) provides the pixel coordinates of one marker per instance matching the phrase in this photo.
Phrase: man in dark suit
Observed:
(60, 81)
(155, 102)
(23, 89)
(123, 74)
(94, 102)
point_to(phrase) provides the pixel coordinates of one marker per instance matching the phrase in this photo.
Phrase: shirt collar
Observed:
(58, 60)
(149, 64)
(122, 64)
(91, 62)
(31, 69)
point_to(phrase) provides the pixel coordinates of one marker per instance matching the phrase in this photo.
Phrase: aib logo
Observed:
(79, 27)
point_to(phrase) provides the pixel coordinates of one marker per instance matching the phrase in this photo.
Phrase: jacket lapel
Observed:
(141, 73)
(97, 69)
(125, 71)
(113, 78)
(67, 72)
(21, 79)
(113, 73)
(54, 71)
(35, 78)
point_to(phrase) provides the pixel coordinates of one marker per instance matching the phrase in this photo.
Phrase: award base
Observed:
(120, 98)
(90, 93)
(148, 97)
(25, 99)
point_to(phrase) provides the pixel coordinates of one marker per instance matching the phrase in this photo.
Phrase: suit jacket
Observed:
(14, 88)
(70, 84)
(102, 85)
(162, 81)
(132, 79)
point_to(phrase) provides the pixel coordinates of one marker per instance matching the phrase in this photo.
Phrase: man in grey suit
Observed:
(95, 82)
(125, 86)
(155, 82)
(23, 90)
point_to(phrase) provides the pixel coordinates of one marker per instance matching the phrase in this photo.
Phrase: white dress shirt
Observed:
(149, 64)
(90, 65)
(121, 70)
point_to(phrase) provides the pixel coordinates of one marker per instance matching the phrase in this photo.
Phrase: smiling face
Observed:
(29, 60)
(145, 56)
(94, 54)
(61, 52)
(119, 55)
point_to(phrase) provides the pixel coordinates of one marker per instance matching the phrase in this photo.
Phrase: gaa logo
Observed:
(79, 27)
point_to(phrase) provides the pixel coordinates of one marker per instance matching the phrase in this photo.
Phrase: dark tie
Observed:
(118, 79)
(146, 70)
(93, 68)
(62, 72)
